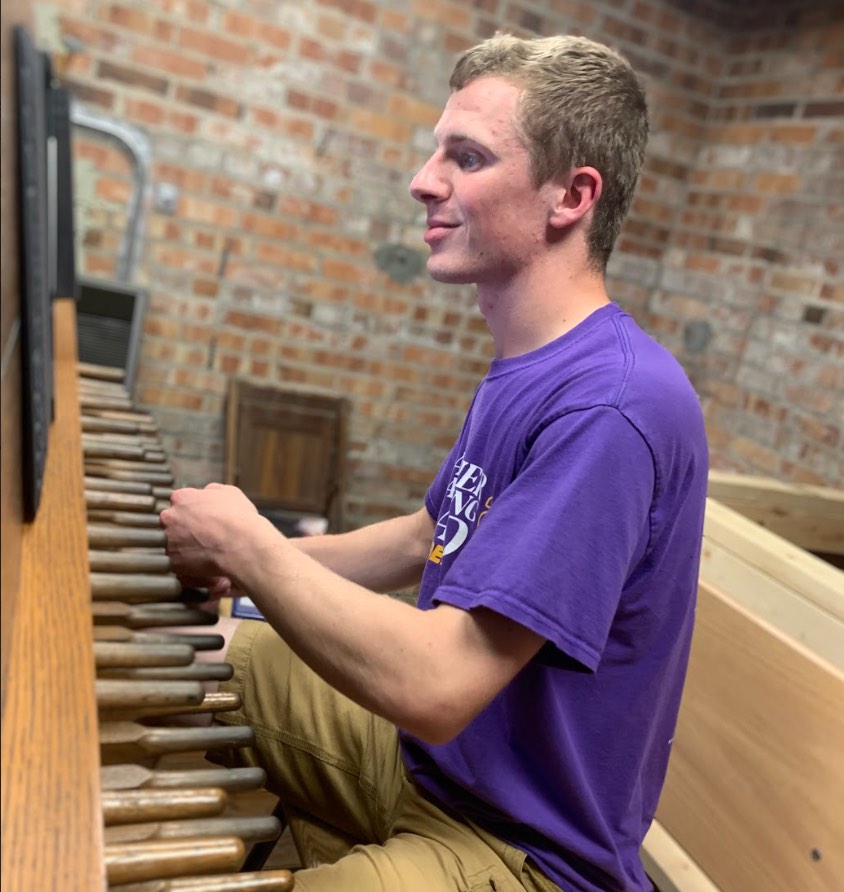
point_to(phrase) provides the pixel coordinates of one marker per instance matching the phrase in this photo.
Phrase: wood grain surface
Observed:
(756, 780)
(50, 766)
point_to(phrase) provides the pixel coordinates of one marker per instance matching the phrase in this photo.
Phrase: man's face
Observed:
(487, 221)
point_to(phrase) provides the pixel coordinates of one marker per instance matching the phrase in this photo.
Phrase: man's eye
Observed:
(469, 160)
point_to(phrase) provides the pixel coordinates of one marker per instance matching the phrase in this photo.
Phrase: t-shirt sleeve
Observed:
(558, 543)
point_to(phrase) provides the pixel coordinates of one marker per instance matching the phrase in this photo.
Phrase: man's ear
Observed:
(576, 194)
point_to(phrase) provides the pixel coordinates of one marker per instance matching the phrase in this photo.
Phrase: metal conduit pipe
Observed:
(137, 145)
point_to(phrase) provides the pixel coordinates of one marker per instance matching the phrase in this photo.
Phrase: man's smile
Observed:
(438, 229)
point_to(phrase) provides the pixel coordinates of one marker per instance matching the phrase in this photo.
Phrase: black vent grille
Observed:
(108, 324)
(103, 341)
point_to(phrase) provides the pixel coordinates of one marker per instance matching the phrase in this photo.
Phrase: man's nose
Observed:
(429, 182)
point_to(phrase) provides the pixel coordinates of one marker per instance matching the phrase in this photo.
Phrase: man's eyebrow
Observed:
(451, 139)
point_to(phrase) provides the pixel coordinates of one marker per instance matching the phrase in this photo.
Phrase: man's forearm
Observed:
(382, 557)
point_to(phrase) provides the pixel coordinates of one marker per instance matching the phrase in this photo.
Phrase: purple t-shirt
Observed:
(573, 504)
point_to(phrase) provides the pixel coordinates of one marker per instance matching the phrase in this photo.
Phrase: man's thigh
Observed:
(428, 850)
(403, 864)
(324, 755)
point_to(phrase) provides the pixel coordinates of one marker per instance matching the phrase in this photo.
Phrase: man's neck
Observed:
(537, 309)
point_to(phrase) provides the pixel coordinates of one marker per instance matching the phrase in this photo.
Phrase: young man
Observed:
(512, 730)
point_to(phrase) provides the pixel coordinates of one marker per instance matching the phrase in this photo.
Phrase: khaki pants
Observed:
(359, 822)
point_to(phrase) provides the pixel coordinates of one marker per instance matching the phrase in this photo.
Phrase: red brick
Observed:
(214, 46)
(95, 265)
(144, 112)
(792, 283)
(737, 134)
(778, 183)
(308, 210)
(195, 11)
(719, 179)
(162, 328)
(251, 322)
(381, 126)
(358, 9)
(229, 364)
(169, 61)
(747, 204)
(800, 134)
(91, 36)
(761, 457)
(425, 114)
(182, 259)
(284, 257)
(334, 241)
(269, 226)
(347, 272)
(230, 340)
(201, 211)
(183, 177)
(290, 125)
(708, 263)
(210, 101)
(206, 287)
(104, 99)
(139, 21)
(132, 77)
(118, 191)
(245, 26)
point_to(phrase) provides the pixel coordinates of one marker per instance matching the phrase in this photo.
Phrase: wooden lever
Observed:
(197, 642)
(191, 672)
(126, 741)
(127, 562)
(134, 588)
(218, 701)
(99, 402)
(120, 655)
(249, 829)
(135, 862)
(100, 535)
(132, 777)
(117, 634)
(99, 372)
(124, 518)
(158, 465)
(118, 501)
(132, 806)
(125, 486)
(145, 616)
(127, 694)
(252, 881)
(143, 473)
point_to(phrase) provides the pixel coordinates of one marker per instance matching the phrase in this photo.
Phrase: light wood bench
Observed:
(779, 582)
(811, 517)
(754, 797)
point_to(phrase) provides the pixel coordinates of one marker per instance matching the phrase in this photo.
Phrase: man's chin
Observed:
(448, 275)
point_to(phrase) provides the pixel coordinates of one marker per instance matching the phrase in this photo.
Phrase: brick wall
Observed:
(750, 292)
(280, 244)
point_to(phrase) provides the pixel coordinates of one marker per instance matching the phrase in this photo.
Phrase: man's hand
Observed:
(205, 529)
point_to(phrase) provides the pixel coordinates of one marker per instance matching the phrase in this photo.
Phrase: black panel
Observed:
(36, 338)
